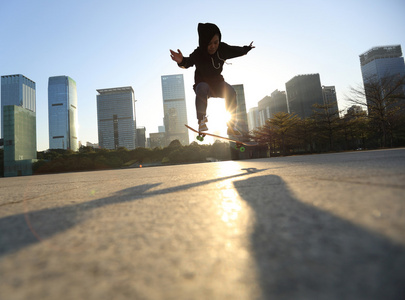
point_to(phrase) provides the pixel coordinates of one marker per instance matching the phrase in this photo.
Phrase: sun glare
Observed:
(217, 119)
(229, 204)
(228, 116)
(217, 116)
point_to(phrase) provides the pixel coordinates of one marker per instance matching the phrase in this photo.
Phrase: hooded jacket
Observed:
(209, 67)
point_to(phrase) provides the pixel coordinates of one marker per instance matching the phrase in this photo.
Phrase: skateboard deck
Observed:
(239, 144)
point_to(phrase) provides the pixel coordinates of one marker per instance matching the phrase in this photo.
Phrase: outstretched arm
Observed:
(176, 56)
(228, 51)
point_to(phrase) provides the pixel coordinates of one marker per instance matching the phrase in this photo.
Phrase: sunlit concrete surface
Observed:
(305, 227)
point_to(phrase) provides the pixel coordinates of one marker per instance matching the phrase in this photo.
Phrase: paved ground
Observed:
(305, 227)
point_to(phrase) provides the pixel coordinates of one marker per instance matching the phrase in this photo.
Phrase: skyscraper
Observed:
(116, 118)
(303, 91)
(330, 99)
(141, 137)
(174, 107)
(382, 62)
(270, 105)
(264, 110)
(278, 103)
(253, 118)
(241, 107)
(18, 124)
(62, 110)
(17, 90)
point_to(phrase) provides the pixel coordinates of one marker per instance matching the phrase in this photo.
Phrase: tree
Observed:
(305, 134)
(86, 149)
(283, 124)
(355, 128)
(384, 99)
(264, 135)
(327, 121)
(174, 144)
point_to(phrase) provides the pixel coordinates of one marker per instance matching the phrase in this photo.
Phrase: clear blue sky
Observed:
(104, 44)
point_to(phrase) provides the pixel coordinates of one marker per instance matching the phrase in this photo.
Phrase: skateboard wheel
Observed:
(242, 149)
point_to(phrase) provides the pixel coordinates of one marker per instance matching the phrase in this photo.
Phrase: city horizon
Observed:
(315, 42)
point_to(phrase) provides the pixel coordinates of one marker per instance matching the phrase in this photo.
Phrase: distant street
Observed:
(328, 226)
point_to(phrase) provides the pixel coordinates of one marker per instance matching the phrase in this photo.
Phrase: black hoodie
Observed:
(209, 67)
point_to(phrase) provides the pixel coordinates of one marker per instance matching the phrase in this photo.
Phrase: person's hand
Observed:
(251, 45)
(176, 56)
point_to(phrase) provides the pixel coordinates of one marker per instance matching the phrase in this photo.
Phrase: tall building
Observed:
(18, 124)
(116, 118)
(330, 99)
(141, 137)
(264, 110)
(17, 90)
(303, 91)
(174, 107)
(157, 140)
(241, 107)
(62, 110)
(380, 62)
(278, 103)
(270, 105)
(253, 118)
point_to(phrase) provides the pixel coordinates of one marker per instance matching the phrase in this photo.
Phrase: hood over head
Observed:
(206, 32)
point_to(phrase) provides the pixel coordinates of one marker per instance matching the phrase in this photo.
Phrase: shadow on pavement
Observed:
(22, 230)
(303, 252)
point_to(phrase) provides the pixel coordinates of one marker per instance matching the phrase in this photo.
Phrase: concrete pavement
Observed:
(328, 226)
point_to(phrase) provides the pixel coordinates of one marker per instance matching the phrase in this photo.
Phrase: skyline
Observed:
(126, 43)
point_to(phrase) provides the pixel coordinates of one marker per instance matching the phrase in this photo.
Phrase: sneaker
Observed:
(202, 126)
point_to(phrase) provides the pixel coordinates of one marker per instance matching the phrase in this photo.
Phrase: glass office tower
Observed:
(380, 62)
(330, 99)
(20, 145)
(174, 107)
(241, 114)
(303, 91)
(116, 118)
(278, 103)
(18, 124)
(17, 90)
(62, 110)
(253, 118)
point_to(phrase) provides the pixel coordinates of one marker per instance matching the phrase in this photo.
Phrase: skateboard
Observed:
(239, 145)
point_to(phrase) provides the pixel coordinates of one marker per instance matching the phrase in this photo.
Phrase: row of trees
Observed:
(325, 130)
(87, 158)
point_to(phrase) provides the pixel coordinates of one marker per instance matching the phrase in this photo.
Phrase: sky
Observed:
(106, 44)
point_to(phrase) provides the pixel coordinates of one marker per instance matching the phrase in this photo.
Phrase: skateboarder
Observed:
(209, 59)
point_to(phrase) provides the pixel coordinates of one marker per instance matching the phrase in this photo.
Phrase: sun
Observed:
(217, 120)
(217, 116)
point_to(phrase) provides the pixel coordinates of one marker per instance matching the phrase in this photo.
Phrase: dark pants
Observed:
(224, 90)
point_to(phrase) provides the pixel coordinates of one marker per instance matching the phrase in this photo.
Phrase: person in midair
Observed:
(209, 58)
